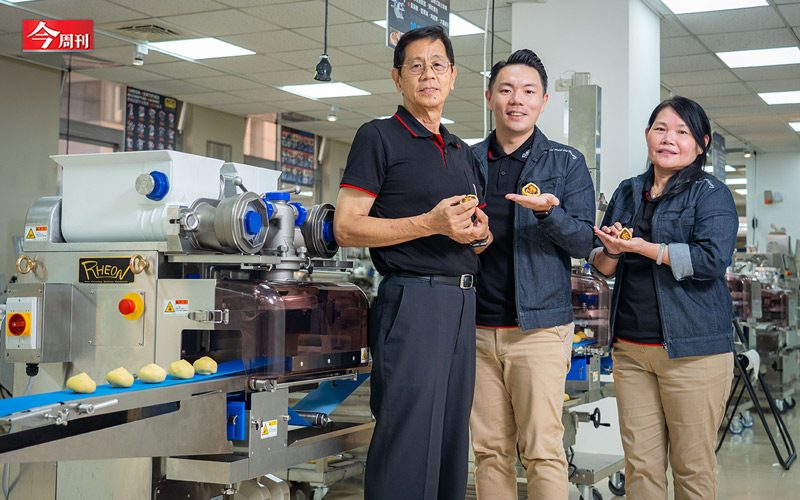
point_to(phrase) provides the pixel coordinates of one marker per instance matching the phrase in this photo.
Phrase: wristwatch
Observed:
(481, 243)
(543, 214)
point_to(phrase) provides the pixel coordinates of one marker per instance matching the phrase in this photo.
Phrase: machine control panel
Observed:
(21, 323)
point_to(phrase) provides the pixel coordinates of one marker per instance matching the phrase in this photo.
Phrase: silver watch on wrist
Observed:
(481, 243)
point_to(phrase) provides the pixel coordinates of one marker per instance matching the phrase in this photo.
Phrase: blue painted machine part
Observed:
(270, 209)
(327, 232)
(237, 425)
(252, 222)
(161, 187)
(301, 213)
(276, 196)
(329, 395)
(295, 419)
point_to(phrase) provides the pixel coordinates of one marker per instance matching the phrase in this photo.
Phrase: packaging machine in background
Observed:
(151, 257)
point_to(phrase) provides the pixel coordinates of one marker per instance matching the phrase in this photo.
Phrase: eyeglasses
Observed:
(417, 68)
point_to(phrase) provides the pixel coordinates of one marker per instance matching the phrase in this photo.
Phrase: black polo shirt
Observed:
(409, 169)
(638, 319)
(496, 299)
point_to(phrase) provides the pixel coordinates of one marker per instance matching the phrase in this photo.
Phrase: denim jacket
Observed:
(542, 248)
(700, 226)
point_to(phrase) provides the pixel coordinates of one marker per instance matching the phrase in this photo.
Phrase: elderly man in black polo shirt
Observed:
(400, 196)
(524, 308)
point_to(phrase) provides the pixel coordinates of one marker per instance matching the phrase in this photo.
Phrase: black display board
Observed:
(402, 16)
(297, 157)
(151, 121)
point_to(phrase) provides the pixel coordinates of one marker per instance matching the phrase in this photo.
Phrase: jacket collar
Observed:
(481, 151)
(416, 129)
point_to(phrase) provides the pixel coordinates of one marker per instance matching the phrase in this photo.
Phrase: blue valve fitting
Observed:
(161, 186)
(301, 213)
(327, 232)
(252, 222)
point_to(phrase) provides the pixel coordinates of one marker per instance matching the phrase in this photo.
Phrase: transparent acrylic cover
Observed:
(290, 328)
(590, 301)
(775, 306)
(740, 287)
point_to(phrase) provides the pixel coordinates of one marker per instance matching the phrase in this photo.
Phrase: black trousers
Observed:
(422, 338)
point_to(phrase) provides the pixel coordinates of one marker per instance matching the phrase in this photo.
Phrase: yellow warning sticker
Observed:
(269, 428)
(176, 307)
(363, 354)
(36, 232)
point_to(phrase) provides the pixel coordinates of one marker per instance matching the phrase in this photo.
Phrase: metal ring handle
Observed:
(138, 264)
(30, 265)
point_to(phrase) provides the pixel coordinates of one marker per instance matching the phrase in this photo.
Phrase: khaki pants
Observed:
(519, 395)
(670, 409)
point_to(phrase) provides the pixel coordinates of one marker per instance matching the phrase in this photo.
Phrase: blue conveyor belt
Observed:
(22, 403)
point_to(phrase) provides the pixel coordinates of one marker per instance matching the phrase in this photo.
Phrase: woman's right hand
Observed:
(609, 235)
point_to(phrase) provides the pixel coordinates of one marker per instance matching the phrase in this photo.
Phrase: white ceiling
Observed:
(287, 39)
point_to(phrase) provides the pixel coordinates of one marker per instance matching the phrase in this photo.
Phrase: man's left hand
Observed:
(480, 226)
(541, 203)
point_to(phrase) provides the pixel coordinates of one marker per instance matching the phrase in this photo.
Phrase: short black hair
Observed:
(430, 32)
(525, 57)
(696, 119)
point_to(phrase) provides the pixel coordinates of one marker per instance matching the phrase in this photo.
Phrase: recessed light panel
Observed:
(795, 126)
(325, 90)
(692, 6)
(760, 57)
(201, 48)
(735, 181)
(790, 97)
(458, 26)
(742, 192)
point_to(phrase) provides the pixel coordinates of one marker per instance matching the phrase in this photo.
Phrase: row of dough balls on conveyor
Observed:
(150, 374)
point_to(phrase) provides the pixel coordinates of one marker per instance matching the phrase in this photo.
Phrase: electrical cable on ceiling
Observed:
(69, 97)
(491, 59)
(485, 70)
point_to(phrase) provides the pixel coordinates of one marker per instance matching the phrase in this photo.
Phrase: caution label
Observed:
(176, 307)
(363, 354)
(36, 233)
(269, 428)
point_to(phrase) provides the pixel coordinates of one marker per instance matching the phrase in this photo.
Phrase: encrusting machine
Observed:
(152, 257)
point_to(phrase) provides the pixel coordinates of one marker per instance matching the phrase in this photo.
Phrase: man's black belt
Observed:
(465, 281)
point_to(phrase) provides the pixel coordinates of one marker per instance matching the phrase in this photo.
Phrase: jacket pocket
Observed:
(677, 226)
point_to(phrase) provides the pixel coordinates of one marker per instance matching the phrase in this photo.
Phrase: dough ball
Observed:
(119, 378)
(205, 366)
(566, 397)
(181, 369)
(152, 374)
(81, 383)
(576, 338)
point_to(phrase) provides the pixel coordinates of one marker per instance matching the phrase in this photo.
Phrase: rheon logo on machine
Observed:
(57, 35)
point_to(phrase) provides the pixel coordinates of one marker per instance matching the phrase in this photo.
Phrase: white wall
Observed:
(29, 111)
(332, 167)
(776, 172)
(205, 124)
(566, 35)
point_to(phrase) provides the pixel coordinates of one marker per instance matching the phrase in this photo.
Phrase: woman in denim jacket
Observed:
(668, 236)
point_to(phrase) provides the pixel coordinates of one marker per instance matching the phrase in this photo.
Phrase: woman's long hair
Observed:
(696, 119)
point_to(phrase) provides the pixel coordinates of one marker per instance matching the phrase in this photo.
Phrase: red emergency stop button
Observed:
(17, 324)
(131, 306)
(127, 306)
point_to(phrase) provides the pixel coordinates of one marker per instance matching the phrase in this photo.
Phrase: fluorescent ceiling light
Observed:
(691, 6)
(728, 168)
(735, 181)
(201, 48)
(305, 193)
(742, 192)
(474, 140)
(795, 126)
(790, 97)
(760, 57)
(709, 168)
(19, 1)
(324, 90)
(458, 26)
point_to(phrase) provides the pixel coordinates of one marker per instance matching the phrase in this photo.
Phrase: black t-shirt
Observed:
(638, 319)
(496, 292)
(409, 170)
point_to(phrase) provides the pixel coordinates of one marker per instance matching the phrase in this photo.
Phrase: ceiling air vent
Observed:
(296, 117)
(149, 29)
